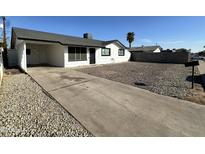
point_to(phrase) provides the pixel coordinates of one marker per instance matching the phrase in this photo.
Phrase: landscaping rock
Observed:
(162, 78)
(25, 110)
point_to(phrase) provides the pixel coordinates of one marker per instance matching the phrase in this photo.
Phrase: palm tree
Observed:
(130, 38)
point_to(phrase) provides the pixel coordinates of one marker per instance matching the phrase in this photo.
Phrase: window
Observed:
(77, 54)
(105, 52)
(71, 54)
(121, 52)
(28, 51)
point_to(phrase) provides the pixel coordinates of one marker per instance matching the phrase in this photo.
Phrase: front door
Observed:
(92, 55)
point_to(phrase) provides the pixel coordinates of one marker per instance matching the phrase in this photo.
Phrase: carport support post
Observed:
(192, 85)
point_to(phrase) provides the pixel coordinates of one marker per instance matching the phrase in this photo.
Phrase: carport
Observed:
(37, 53)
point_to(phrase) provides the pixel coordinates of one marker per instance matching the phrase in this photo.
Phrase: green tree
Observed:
(130, 38)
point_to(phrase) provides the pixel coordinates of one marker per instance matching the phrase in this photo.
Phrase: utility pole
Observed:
(4, 32)
(5, 56)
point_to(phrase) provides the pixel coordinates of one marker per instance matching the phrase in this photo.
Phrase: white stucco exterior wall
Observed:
(57, 55)
(21, 52)
(157, 50)
(113, 58)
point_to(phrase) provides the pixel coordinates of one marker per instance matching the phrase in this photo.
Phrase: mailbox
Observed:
(192, 63)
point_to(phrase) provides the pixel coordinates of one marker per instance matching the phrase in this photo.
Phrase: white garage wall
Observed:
(75, 63)
(21, 52)
(55, 55)
(113, 58)
(38, 54)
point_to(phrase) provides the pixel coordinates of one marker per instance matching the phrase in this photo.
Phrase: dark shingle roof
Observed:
(144, 48)
(26, 34)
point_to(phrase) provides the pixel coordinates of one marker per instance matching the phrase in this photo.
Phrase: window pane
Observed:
(121, 52)
(77, 54)
(105, 52)
(83, 54)
(71, 54)
(28, 51)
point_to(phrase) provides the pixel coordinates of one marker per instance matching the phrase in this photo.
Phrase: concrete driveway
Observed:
(108, 108)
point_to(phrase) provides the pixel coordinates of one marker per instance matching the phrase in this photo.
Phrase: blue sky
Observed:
(169, 32)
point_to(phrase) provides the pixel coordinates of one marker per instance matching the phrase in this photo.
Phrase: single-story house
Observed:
(149, 49)
(36, 48)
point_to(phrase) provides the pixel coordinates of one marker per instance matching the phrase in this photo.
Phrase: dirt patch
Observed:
(198, 92)
(12, 71)
(198, 97)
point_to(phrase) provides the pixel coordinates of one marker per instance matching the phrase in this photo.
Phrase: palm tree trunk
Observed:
(129, 45)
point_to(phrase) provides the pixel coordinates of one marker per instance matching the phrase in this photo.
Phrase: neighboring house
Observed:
(42, 48)
(150, 49)
(169, 50)
(183, 50)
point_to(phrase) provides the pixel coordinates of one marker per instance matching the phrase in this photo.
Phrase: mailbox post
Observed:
(192, 63)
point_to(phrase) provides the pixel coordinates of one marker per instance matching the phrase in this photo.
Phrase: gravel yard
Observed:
(25, 110)
(165, 79)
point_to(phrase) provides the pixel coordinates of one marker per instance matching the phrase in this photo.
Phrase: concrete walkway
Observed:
(108, 108)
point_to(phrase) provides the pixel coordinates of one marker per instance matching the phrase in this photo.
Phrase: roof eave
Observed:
(66, 44)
